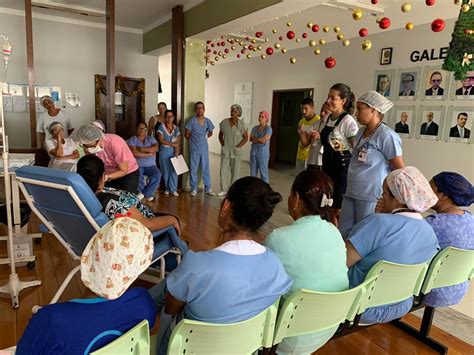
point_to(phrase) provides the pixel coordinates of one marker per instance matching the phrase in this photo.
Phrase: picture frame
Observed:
(456, 117)
(408, 84)
(386, 56)
(463, 90)
(384, 82)
(409, 113)
(435, 78)
(430, 132)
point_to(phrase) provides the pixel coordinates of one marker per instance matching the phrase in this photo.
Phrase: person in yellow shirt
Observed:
(304, 128)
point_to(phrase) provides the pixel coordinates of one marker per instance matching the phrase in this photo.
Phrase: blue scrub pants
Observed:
(154, 177)
(170, 178)
(352, 212)
(259, 163)
(196, 159)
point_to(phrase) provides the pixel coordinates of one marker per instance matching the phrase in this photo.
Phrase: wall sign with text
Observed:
(428, 54)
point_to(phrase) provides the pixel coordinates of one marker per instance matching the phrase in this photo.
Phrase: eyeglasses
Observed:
(436, 80)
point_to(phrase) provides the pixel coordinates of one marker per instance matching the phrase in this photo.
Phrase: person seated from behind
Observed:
(311, 250)
(62, 151)
(453, 227)
(107, 307)
(233, 282)
(119, 202)
(398, 233)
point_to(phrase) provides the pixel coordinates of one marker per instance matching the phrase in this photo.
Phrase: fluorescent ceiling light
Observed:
(46, 4)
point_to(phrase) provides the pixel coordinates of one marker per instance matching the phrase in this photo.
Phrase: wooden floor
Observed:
(200, 228)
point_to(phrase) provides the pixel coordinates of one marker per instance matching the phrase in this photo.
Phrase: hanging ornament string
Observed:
(466, 59)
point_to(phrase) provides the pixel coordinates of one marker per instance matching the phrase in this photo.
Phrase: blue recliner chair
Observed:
(70, 210)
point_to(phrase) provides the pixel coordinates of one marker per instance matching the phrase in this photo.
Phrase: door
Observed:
(286, 113)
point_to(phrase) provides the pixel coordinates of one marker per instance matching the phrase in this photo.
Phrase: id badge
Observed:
(174, 140)
(362, 156)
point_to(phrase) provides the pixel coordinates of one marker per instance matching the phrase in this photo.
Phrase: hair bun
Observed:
(273, 199)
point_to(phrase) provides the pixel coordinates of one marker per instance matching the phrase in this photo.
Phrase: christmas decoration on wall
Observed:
(409, 26)
(330, 62)
(461, 44)
(363, 32)
(438, 25)
(384, 23)
(406, 7)
(430, 2)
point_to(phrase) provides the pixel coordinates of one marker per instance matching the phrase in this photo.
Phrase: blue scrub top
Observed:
(149, 141)
(198, 139)
(365, 179)
(168, 137)
(258, 148)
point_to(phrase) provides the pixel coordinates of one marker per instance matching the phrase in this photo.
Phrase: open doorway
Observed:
(286, 113)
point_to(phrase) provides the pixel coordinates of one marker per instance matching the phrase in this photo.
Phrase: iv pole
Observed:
(14, 285)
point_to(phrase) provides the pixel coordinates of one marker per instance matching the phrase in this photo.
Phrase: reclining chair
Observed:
(70, 210)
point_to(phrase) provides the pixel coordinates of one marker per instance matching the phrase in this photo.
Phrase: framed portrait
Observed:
(463, 89)
(384, 82)
(408, 84)
(459, 124)
(403, 120)
(386, 56)
(430, 122)
(435, 83)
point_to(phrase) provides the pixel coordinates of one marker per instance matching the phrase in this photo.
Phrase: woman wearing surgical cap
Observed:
(61, 150)
(377, 151)
(260, 149)
(108, 308)
(453, 226)
(121, 167)
(399, 234)
(232, 137)
(51, 115)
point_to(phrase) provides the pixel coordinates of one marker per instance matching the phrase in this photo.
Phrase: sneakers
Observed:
(175, 193)
(150, 199)
(210, 193)
(140, 196)
(222, 193)
(167, 192)
(193, 193)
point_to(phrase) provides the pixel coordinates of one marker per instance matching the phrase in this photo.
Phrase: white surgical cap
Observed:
(53, 125)
(376, 101)
(99, 124)
(89, 134)
(44, 98)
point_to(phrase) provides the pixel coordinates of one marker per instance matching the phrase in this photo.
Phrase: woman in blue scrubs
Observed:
(260, 149)
(170, 139)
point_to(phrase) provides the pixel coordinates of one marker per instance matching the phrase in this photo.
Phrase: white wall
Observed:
(164, 70)
(68, 56)
(355, 68)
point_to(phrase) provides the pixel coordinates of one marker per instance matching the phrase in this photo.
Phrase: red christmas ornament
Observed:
(215, 52)
(384, 23)
(290, 35)
(223, 44)
(363, 32)
(438, 25)
(280, 38)
(269, 50)
(374, 2)
(258, 34)
(208, 41)
(209, 50)
(251, 47)
(238, 55)
(315, 28)
(247, 38)
(218, 44)
(304, 35)
(330, 62)
(212, 44)
(242, 51)
(226, 50)
(430, 2)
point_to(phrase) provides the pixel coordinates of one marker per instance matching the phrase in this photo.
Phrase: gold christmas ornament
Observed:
(266, 39)
(274, 30)
(340, 37)
(254, 49)
(249, 56)
(406, 7)
(337, 29)
(292, 60)
(254, 41)
(284, 50)
(312, 43)
(263, 56)
(322, 41)
(366, 45)
(326, 29)
(317, 51)
(289, 24)
(298, 40)
(241, 43)
(277, 45)
(309, 25)
(357, 14)
(246, 47)
(212, 63)
(224, 56)
(233, 48)
(409, 26)
(346, 42)
(465, 8)
(457, 2)
(216, 59)
(259, 48)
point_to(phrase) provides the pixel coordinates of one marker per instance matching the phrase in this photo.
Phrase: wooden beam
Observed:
(31, 73)
(177, 63)
(110, 58)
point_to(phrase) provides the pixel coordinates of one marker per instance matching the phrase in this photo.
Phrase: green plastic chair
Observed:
(395, 283)
(246, 337)
(307, 311)
(135, 341)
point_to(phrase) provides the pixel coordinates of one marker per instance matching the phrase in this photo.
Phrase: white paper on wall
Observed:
(19, 103)
(243, 96)
(7, 103)
(72, 99)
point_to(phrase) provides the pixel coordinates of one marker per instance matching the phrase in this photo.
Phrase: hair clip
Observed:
(313, 190)
(325, 201)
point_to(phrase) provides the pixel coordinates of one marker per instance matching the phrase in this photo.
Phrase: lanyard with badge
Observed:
(364, 150)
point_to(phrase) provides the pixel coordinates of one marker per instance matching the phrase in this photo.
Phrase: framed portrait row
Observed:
(451, 124)
(429, 83)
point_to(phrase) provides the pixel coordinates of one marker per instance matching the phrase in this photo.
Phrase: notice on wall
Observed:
(19, 103)
(72, 99)
(7, 103)
(243, 96)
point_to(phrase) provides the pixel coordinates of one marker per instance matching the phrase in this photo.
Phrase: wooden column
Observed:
(110, 58)
(31, 72)
(177, 63)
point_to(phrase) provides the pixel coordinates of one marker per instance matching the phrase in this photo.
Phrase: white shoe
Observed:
(175, 194)
(140, 196)
(210, 193)
(222, 193)
(167, 192)
(150, 199)
(193, 193)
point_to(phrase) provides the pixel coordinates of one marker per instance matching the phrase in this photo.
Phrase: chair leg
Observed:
(423, 334)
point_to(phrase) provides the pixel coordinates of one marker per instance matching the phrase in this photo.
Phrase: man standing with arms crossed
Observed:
(304, 127)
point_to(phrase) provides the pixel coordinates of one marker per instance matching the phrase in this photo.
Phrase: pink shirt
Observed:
(116, 151)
